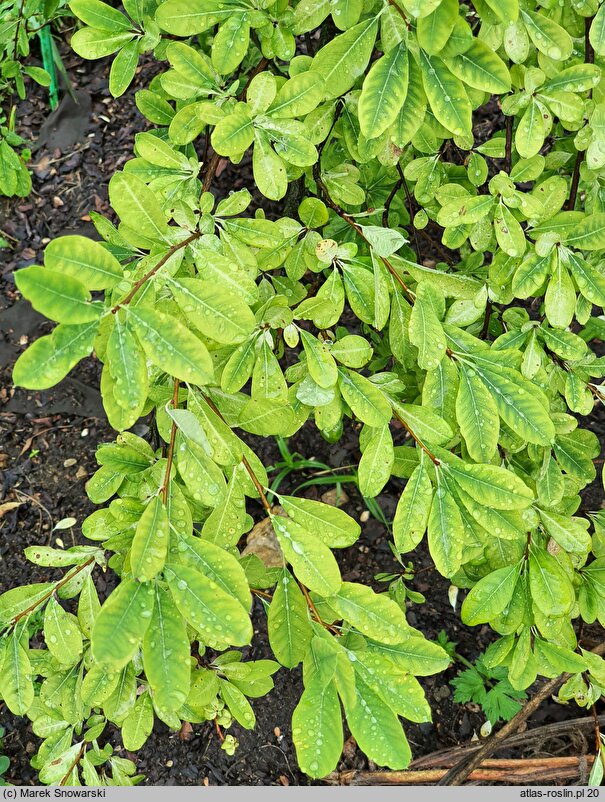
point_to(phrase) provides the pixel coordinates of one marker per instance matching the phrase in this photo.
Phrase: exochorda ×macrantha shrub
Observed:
(480, 361)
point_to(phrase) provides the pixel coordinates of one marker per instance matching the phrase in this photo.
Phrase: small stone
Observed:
(365, 516)
(335, 497)
(69, 462)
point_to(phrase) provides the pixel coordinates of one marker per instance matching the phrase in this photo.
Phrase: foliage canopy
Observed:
(464, 376)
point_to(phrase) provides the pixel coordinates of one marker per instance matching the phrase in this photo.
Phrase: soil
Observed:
(48, 440)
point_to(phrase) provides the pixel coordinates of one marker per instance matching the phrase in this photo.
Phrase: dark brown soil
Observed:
(48, 440)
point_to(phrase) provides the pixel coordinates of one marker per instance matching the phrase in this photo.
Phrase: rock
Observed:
(262, 542)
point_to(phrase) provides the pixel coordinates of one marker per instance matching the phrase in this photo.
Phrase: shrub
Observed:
(463, 375)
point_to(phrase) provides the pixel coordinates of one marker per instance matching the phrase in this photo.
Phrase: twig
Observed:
(257, 485)
(73, 765)
(219, 732)
(18, 28)
(575, 180)
(429, 454)
(67, 578)
(323, 191)
(508, 153)
(150, 273)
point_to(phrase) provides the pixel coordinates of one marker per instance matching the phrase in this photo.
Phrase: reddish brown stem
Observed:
(150, 273)
(68, 577)
(429, 454)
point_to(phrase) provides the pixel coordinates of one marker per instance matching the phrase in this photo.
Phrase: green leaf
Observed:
(150, 542)
(128, 368)
(299, 95)
(332, 525)
(49, 359)
(549, 37)
(137, 205)
(570, 533)
(519, 403)
(218, 617)
(16, 685)
(446, 95)
(352, 351)
(530, 133)
(312, 561)
(138, 724)
(56, 296)
(345, 58)
(551, 588)
(377, 729)
(402, 693)
(425, 329)
(383, 92)
(588, 234)
(373, 614)
(481, 68)
(17, 600)
(98, 685)
(597, 32)
(364, 398)
(189, 17)
(123, 68)
(171, 346)
(166, 654)
(216, 563)
(490, 596)
(238, 705)
(62, 633)
(219, 313)
(435, 29)
(288, 622)
(376, 463)
(317, 729)
(445, 533)
(234, 133)
(588, 277)
(270, 173)
(491, 485)
(477, 416)
(509, 233)
(92, 43)
(560, 298)
(320, 361)
(415, 655)
(426, 425)
(121, 624)
(85, 260)
(100, 15)
(231, 43)
(412, 513)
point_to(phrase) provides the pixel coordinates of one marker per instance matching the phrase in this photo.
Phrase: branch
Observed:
(69, 576)
(138, 284)
(429, 454)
